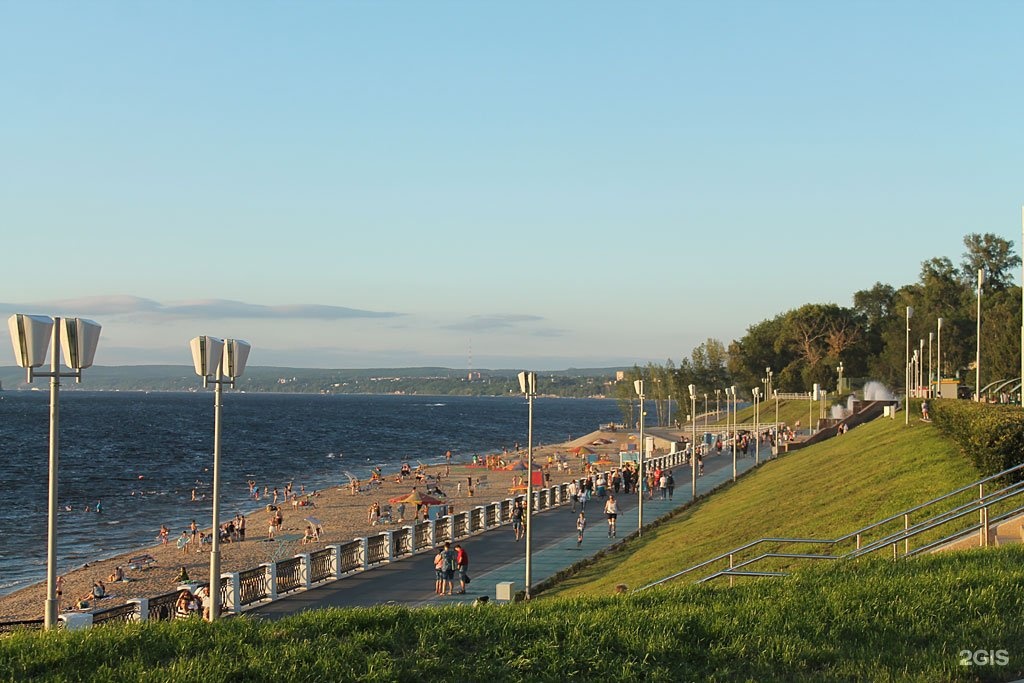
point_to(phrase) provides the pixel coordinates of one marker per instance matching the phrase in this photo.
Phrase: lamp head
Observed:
(30, 335)
(78, 340)
(693, 390)
(528, 382)
(638, 387)
(236, 354)
(207, 354)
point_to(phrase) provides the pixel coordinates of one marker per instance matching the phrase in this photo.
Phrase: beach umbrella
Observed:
(416, 498)
(581, 450)
(313, 520)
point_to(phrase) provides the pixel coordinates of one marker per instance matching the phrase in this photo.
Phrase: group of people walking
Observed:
(447, 561)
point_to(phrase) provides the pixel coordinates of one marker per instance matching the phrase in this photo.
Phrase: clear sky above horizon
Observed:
(532, 184)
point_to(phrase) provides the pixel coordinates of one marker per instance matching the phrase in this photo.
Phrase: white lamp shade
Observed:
(30, 335)
(638, 386)
(236, 354)
(78, 340)
(528, 382)
(206, 354)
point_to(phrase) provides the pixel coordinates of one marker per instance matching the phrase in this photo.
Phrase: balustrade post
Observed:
(141, 608)
(364, 552)
(432, 532)
(390, 536)
(271, 569)
(234, 603)
(336, 560)
(481, 512)
(451, 528)
(76, 621)
(305, 573)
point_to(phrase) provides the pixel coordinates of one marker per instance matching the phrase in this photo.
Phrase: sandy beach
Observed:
(344, 516)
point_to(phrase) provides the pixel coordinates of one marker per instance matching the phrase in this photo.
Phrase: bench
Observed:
(140, 562)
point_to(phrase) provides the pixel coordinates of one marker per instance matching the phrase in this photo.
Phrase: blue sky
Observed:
(538, 184)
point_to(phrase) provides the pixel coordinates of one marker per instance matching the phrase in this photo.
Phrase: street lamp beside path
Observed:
(77, 338)
(220, 362)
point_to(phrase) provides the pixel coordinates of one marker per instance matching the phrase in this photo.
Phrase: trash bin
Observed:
(503, 590)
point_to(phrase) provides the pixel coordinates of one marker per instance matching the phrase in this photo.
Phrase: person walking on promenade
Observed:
(462, 564)
(611, 508)
(449, 568)
(517, 519)
(439, 571)
(663, 485)
(670, 482)
(581, 525)
(574, 494)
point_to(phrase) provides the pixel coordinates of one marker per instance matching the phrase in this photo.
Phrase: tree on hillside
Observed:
(994, 256)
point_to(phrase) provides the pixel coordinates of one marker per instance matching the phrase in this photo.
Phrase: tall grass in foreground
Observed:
(873, 620)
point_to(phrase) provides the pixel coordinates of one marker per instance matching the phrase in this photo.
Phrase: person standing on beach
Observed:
(194, 529)
(165, 534)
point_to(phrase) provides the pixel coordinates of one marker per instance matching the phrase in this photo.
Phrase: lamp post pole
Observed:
(528, 384)
(756, 391)
(735, 427)
(776, 393)
(1022, 313)
(906, 408)
(931, 383)
(31, 334)
(705, 412)
(920, 367)
(669, 411)
(718, 405)
(839, 389)
(977, 352)
(693, 442)
(938, 358)
(641, 477)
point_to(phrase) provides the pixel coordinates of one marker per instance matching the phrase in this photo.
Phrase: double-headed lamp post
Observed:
(221, 362)
(839, 369)
(528, 385)
(693, 449)
(756, 391)
(641, 475)
(77, 338)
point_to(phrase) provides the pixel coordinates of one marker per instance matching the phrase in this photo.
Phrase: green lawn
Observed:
(875, 620)
(823, 491)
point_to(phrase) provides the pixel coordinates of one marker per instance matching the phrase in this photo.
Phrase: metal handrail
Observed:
(731, 571)
(966, 532)
(854, 534)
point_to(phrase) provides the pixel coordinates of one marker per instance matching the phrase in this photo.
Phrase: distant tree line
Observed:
(805, 345)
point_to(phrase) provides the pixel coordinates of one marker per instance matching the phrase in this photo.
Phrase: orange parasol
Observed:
(581, 450)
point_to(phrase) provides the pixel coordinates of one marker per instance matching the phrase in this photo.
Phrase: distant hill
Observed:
(575, 382)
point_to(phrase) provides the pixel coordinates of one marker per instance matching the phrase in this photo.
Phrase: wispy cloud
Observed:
(218, 309)
(483, 323)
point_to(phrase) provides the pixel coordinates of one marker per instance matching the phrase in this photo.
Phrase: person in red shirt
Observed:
(462, 564)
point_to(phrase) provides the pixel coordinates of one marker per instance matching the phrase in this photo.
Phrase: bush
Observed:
(991, 436)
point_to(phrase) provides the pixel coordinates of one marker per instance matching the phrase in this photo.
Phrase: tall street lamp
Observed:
(718, 394)
(641, 478)
(693, 441)
(78, 339)
(775, 392)
(938, 358)
(756, 391)
(839, 369)
(705, 412)
(920, 367)
(931, 384)
(735, 428)
(219, 362)
(977, 352)
(528, 385)
(906, 407)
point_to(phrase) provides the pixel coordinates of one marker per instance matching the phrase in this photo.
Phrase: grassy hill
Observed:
(823, 491)
(876, 620)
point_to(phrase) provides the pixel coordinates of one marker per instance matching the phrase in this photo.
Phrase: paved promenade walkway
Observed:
(495, 557)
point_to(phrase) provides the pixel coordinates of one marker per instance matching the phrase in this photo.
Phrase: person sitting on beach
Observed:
(308, 536)
(182, 575)
(97, 591)
(116, 575)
